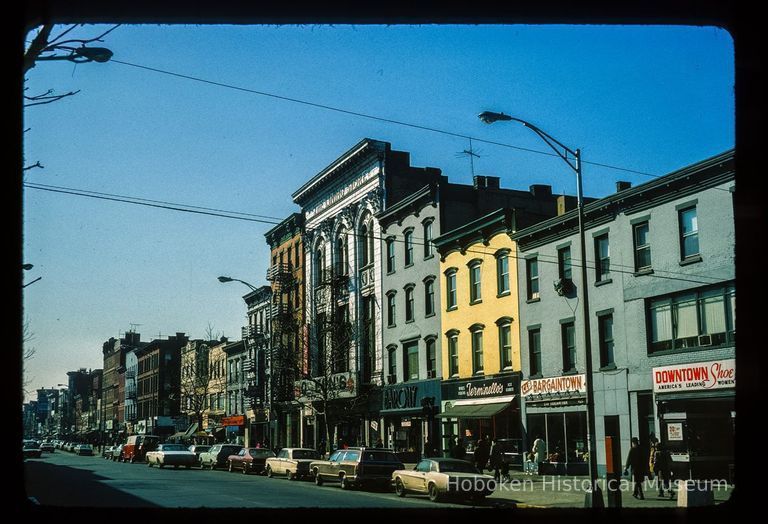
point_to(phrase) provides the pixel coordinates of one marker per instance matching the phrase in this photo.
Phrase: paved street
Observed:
(63, 479)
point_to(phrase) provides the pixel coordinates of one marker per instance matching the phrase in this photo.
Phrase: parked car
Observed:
(106, 452)
(137, 446)
(47, 446)
(198, 448)
(217, 456)
(117, 453)
(31, 448)
(357, 467)
(83, 449)
(441, 477)
(249, 460)
(291, 462)
(171, 455)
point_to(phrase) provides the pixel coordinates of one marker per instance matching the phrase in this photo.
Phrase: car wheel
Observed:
(434, 494)
(200, 464)
(290, 474)
(230, 468)
(161, 465)
(269, 472)
(245, 469)
(399, 488)
(344, 483)
(149, 464)
(212, 466)
(133, 459)
(318, 479)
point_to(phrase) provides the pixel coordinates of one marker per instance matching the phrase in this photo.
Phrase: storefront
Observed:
(234, 428)
(406, 424)
(556, 411)
(474, 408)
(696, 411)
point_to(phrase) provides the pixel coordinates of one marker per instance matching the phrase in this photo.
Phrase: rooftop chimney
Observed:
(492, 182)
(480, 181)
(621, 185)
(541, 190)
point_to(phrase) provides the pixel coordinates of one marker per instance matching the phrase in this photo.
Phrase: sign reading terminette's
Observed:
(718, 374)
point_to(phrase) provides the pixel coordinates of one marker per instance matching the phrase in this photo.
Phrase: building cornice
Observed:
(285, 230)
(480, 230)
(410, 205)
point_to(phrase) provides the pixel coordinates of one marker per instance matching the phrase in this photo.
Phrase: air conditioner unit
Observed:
(705, 340)
(563, 286)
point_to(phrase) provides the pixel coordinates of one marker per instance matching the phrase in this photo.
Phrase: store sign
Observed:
(675, 431)
(719, 374)
(141, 427)
(374, 425)
(339, 385)
(236, 420)
(403, 397)
(554, 385)
(479, 389)
(405, 423)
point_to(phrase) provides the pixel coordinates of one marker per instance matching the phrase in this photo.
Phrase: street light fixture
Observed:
(230, 279)
(79, 55)
(574, 162)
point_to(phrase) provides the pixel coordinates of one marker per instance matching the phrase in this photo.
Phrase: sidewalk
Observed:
(561, 491)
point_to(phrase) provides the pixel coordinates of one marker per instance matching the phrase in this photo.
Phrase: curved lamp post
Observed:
(573, 159)
(230, 279)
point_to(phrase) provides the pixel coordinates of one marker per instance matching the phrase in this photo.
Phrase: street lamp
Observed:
(574, 162)
(79, 55)
(230, 279)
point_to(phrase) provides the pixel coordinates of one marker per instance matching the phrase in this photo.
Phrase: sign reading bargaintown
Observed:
(718, 374)
(554, 385)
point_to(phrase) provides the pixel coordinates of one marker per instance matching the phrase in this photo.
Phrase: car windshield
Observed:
(173, 447)
(31, 445)
(261, 452)
(305, 454)
(380, 456)
(457, 467)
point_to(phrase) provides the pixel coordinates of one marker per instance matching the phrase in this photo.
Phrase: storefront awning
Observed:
(475, 410)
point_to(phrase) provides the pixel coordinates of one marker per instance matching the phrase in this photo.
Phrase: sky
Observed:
(200, 116)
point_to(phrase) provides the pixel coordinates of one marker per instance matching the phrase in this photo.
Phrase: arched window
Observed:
(319, 264)
(365, 242)
(340, 254)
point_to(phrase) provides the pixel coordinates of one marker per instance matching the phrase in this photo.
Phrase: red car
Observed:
(249, 460)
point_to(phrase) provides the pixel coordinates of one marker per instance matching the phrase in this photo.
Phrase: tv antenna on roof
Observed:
(471, 153)
(134, 326)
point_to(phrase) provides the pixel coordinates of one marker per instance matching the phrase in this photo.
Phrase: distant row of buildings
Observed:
(403, 308)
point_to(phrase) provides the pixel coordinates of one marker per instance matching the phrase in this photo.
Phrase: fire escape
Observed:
(283, 361)
(333, 327)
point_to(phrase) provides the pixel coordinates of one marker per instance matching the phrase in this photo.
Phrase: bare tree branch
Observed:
(44, 99)
(36, 164)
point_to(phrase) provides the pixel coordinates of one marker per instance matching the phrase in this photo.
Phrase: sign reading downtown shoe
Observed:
(338, 385)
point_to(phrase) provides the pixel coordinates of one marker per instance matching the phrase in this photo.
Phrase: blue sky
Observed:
(642, 98)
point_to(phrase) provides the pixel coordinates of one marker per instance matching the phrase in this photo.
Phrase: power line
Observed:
(368, 116)
(229, 214)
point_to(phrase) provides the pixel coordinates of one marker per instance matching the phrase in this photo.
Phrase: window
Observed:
(319, 263)
(429, 297)
(477, 350)
(365, 243)
(564, 262)
(450, 289)
(391, 309)
(605, 332)
(428, 249)
(390, 255)
(505, 345)
(409, 303)
(453, 354)
(534, 348)
(408, 247)
(642, 247)
(392, 364)
(532, 266)
(296, 254)
(475, 287)
(411, 354)
(689, 232)
(691, 319)
(341, 254)
(568, 334)
(502, 273)
(431, 358)
(602, 257)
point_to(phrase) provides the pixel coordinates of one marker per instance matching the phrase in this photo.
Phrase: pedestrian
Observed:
(651, 456)
(636, 461)
(428, 448)
(539, 451)
(460, 452)
(482, 452)
(662, 466)
(496, 459)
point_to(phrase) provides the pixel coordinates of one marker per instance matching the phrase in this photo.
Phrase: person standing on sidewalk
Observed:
(636, 461)
(539, 451)
(662, 466)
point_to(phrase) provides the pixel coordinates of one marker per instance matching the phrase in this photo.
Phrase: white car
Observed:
(171, 455)
(441, 477)
(291, 462)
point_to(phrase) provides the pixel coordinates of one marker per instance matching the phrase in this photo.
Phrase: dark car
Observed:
(357, 467)
(31, 448)
(217, 456)
(249, 460)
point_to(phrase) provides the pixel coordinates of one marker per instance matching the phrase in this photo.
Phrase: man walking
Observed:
(636, 461)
